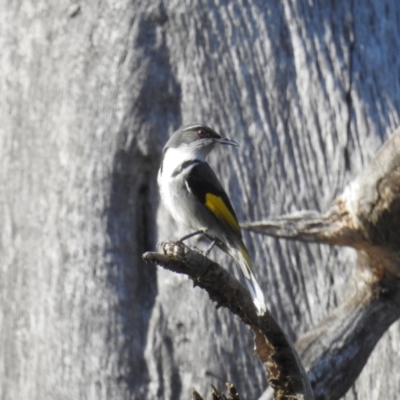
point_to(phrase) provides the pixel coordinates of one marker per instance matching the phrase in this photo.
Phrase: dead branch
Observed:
(284, 369)
(217, 395)
(195, 395)
(335, 227)
(366, 217)
(336, 351)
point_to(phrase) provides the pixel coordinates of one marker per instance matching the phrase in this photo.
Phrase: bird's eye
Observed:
(202, 133)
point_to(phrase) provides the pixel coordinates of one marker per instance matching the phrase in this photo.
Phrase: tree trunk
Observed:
(89, 94)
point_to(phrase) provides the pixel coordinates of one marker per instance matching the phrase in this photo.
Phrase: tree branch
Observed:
(216, 395)
(285, 371)
(367, 217)
(336, 351)
(335, 227)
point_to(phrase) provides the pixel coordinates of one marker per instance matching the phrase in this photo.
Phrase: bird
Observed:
(195, 198)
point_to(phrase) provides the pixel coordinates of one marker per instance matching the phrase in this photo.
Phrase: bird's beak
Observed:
(227, 141)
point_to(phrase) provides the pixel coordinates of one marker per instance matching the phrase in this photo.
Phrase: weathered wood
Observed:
(216, 395)
(333, 228)
(285, 372)
(232, 393)
(195, 395)
(335, 352)
(366, 217)
(89, 93)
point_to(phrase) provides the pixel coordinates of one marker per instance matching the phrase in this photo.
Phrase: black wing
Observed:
(204, 184)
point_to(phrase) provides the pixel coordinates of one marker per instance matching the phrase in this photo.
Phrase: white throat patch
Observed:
(175, 157)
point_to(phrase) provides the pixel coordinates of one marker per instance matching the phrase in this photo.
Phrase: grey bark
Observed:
(284, 369)
(366, 217)
(89, 94)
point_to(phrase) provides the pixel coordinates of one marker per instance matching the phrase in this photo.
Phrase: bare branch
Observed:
(285, 372)
(367, 217)
(335, 227)
(336, 351)
(216, 395)
(195, 395)
(233, 394)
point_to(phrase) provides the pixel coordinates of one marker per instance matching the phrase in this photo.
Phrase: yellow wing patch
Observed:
(218, 207)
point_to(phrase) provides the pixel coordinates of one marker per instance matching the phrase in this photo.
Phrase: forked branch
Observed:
(366, 217)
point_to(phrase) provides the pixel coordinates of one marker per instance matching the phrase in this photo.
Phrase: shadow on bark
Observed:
(129, 231)
(131, 217)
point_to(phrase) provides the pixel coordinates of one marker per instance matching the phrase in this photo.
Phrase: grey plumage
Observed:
(192, 193)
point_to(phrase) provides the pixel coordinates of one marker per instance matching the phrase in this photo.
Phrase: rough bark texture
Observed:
(89, 93)
(366, 217)
(217, 395)
(284, 369)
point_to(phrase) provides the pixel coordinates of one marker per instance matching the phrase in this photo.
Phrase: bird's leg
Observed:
(162, 244)
(207, 252)
(199, 232)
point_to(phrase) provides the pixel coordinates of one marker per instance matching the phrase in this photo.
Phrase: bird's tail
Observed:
(242, 257)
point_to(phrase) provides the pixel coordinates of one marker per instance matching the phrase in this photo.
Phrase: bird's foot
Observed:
(175, 249)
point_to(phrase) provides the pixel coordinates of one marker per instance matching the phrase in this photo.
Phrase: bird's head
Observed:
(197, 140)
